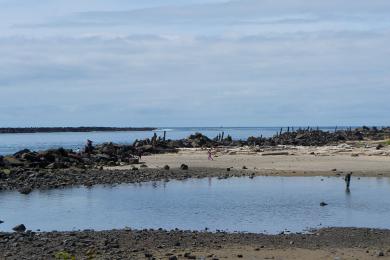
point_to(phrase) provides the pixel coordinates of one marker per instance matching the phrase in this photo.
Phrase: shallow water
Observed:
(11, 143)
(262, 204)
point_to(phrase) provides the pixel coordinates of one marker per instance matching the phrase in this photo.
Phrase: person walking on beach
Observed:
(210, 158)
(348, 179)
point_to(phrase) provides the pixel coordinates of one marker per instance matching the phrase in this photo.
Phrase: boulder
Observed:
(30, 156)
(379, 146)
(19, 228)
(21, 152)
(12, 161)
(102, 157)
(133, 160)
(2, 164)
(146, 148)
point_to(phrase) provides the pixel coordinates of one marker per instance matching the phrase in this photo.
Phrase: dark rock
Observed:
(173, 257)
(19, 228)
(189, 256)
(133, 160)
(323, 204)
(25, 190)
(21, 152)
(166, 167)
(184, 167)
(379, 146)
(12, 161)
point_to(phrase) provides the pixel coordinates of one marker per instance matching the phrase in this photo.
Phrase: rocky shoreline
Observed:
(26, 181)
(110, 154)
(176, 244)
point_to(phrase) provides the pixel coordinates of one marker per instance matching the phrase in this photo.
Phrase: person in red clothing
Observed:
(210, 158)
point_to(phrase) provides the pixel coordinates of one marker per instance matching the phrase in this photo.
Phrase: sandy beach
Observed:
(295, 161)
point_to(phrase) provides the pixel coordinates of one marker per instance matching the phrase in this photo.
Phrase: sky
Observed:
(194, 62)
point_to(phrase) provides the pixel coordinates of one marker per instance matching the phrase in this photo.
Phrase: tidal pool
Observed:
(260, 205)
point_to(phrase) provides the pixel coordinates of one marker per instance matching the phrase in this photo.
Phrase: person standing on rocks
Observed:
(348, 180)
(210, 158)
(88, 147)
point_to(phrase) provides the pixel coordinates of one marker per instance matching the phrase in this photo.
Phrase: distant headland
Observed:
(17, 130)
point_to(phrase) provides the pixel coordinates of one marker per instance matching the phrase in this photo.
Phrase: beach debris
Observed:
(19, 228)
(189, 256)
(379, 146)
(274, 153)
(228, 169)
(166, 167)
(1, 221)
(244, 167)
(184, 166)
(148, 255)
(323, 204)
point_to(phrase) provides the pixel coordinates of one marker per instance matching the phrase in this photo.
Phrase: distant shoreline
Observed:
(23, 130)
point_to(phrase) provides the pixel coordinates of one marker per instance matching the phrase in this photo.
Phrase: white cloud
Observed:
(235, 63)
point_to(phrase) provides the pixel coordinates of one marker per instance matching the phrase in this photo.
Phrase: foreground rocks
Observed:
(107, 154)
(161, 244)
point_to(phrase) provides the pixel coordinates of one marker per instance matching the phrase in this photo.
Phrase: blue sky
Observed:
(194, 63)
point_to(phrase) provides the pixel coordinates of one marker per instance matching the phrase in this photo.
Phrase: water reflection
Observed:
(272, 204)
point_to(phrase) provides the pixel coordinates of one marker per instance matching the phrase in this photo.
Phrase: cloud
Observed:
(215, 63)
